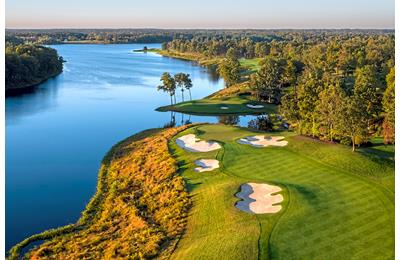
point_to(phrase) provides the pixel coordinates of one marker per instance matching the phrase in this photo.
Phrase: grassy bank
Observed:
(337, 204)
(202, 60)
(212, 106)
(138, 211)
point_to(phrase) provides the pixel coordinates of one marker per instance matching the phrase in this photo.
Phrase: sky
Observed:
(260, 14)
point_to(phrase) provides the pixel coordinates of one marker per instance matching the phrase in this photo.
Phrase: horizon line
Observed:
(197, 28)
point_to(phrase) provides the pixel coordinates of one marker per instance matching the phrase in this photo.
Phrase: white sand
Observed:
(254, 106)
(263, 141)
(206, 165)
(224, 107)
(191, 143)
(257, 198)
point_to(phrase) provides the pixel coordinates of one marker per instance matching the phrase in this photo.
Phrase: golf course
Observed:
(219, 106)
(337, 204)
(280, 145)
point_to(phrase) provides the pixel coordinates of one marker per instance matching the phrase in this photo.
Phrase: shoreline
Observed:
(29, 88)
(96, 204)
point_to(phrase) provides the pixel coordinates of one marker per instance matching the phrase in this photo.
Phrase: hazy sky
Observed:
(200, 13)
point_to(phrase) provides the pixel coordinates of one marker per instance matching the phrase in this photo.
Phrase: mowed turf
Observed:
(337, 204)
(212, 106)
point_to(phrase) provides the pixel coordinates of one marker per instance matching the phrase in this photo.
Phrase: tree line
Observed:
(331, 86)
(27, 65)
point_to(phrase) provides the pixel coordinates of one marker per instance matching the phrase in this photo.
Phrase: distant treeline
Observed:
(28, 65)
(57, 36)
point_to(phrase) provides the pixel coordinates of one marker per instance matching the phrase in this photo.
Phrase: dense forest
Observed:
(27, 65)
(336, 86)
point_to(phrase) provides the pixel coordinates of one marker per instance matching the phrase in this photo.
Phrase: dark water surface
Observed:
(57, 135)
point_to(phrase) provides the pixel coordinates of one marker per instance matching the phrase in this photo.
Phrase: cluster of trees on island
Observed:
(27, 65)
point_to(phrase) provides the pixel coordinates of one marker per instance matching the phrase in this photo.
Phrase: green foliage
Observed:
(29, 65)
(266, 82)
(327, 110)
(168, 85)
(229, 68)
(388, 105)
(183, 81)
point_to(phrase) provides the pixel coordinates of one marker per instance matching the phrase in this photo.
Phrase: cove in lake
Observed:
(57, 135)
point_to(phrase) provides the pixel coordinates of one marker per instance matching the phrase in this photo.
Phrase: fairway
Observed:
(337, 204)
(212, 106)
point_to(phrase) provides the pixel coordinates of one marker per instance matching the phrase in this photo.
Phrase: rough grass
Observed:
(337, 204)
(212, 106)
(139, 210)
(201, 59)
(252, 65)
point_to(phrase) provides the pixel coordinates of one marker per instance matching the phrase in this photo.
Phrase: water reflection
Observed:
(179, 119)
(33, 101)
(229, 119)
(262, 123)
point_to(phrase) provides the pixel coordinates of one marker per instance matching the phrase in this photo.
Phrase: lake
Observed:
(57, 135)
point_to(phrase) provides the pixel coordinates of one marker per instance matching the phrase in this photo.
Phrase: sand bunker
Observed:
(191, 143)
(224, 107)
(263, 141)
(206, 165)
(254, 106)
(257, 198)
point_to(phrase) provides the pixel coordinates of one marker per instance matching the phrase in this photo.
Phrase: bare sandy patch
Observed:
(255, 106)
(258, 198)
(191, 143)
(206, 165)
(263, 141)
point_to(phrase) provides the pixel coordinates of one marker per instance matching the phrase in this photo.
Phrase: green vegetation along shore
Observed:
(29, 65)
(139, 209)
(151, 203)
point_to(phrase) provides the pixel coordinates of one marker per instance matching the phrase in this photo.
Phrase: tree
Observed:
(229, 68)
(351, 119)
(188, 84)
(307, 97)
(327, 109)
(260, 49)
(388, 105)
(231, 54)
(168, 85)
(266, 82)
(289, 76)
(289, 109)
(179, 80)
(184, 82)
(366, 89)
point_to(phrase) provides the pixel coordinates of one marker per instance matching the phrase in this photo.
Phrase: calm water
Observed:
(57, 135)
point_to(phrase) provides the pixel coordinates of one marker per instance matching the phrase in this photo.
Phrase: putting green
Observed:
(212, 106)
(337, 204)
